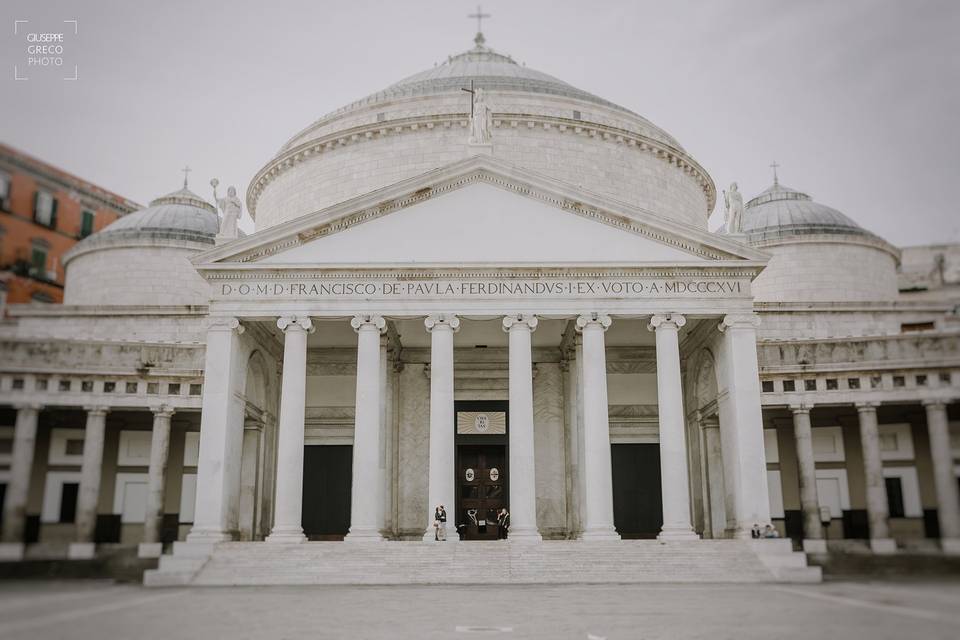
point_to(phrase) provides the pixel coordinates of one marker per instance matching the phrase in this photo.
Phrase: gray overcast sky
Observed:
(858, 100)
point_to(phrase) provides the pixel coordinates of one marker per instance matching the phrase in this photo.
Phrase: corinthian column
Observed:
(152, 545)
(366, 505)
(674, 479)
(598, 478)
(523, 492)
(948, 503)
(287, 526)
(91, 471)
(442, 479)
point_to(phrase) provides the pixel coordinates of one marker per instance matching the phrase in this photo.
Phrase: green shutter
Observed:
(53, 214)
(86, 223)
(36, 199)
(39, 260)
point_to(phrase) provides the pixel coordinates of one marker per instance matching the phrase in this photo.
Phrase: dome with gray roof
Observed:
(780, 211)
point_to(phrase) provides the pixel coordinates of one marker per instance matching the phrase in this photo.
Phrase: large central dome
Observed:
(540, 123)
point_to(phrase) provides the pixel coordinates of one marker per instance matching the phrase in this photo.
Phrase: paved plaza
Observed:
(99, 610)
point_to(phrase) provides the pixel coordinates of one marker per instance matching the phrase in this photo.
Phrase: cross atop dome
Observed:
(479, 40)
(774, 166)
(186, 170)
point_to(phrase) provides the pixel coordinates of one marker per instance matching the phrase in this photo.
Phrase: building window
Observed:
(767, 386)
(789, 385)
(577, 115)
(173, 389)
(86, 385)
(810, 385)
(153, 388)
(895, 497)
(109, 387)
(18, 384)
(38, 257)
(5, 183)
(41, 384)
(853, 383)
(832, 384)
(899, 381)
(131, 387)
(910, 327)
(876, 382)
(68, 501)
(86, 223)
(64, 385)
(45, 209)
(945, 377)
(195, 389)
(381, 117)
(921, 380)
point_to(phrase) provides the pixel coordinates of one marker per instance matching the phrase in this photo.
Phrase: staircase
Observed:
(493, 562)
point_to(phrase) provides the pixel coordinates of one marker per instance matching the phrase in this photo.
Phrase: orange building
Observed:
(43, 212)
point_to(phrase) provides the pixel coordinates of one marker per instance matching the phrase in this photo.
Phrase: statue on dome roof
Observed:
(733, 201)
(481, 119)
(232, 210)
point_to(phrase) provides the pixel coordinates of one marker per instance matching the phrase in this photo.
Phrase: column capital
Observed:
(28, 406)
(162, 411)
(601, 320)
(442, 321)
(224, 323)
(667, 321)
(366, 321)
(739, 321)
(800, 408)
(519, 321)
(97, 410)
(295, 323)
(866, 407)
(936, 402)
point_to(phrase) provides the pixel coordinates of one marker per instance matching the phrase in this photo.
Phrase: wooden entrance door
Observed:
(481, 489)
(327, 476)
(637, 501)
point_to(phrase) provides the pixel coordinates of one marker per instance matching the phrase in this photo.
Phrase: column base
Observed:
(883, 546)
(524, 535)
(12, 551)
(670, 534)
(815, 545)
(599, 534)
(208, 536)
(286, 536)
(81, 550)
(356, 534)
(950, 546)
(149, 549)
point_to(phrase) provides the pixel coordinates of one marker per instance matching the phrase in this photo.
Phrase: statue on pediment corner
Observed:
(733, 201)
(481, 119)
(231, 209)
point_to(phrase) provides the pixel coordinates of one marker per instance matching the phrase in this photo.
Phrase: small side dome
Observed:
(143, 258)
(818, 254)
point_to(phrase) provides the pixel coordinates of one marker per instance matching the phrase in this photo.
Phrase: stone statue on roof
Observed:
(231, 209)
(733, 201)
(481, 119)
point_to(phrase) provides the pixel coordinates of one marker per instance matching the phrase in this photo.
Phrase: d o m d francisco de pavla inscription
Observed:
(487, 288)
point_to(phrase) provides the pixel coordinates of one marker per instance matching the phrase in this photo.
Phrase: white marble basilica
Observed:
(500, 298)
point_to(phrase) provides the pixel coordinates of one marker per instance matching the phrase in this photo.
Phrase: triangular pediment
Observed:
(479, 211)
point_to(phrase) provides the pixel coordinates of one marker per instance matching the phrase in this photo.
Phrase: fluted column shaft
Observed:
(807, 472)
(442, 475)
(948, 502)
(674, 476)
(157, 474)
(598, 478)
(287, 526)
(366, 498)
(523, 490)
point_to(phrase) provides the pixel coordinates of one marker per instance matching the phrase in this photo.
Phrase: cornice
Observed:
(366, 132)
